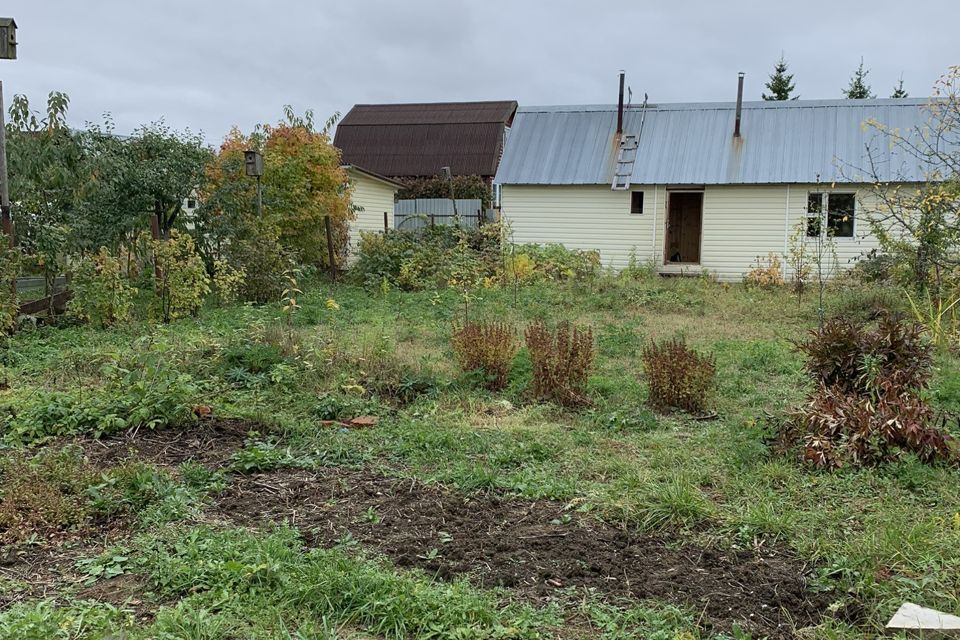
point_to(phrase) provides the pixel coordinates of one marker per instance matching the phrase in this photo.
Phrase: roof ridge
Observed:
(751, 104)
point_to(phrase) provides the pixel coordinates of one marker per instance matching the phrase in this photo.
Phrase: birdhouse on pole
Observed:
(8, 39)
(253, 161)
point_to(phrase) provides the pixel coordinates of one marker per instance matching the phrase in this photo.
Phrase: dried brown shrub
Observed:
(562, 360)
(678, 376)
(486, 347)
(842, 427)
(868, 405)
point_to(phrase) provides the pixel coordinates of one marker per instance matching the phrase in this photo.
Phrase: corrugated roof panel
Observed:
(419, 139)
(688, 143)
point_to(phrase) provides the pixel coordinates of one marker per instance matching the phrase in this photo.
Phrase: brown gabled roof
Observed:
(418, 139)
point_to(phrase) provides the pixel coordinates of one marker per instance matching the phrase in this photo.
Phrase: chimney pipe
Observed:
(620, 106)
(736, 125)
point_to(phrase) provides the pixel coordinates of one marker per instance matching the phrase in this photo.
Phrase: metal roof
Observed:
(418, 139)
(693, 143)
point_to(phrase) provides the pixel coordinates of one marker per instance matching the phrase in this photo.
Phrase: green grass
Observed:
(876, 536)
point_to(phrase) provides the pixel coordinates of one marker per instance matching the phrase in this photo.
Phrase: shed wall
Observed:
(740, 223)
(375, 197)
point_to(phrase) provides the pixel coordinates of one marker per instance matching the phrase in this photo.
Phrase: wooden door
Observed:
(684, 227)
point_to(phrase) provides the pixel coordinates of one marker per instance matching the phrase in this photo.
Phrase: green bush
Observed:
(464, 187)
(101, 293)
(252, 357)
(433, 258)
(182, 282)
(10, 267)
(557, 262)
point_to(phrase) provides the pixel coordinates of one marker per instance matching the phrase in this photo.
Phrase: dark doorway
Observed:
(684, 225)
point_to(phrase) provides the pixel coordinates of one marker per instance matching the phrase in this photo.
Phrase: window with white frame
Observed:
(840, 211)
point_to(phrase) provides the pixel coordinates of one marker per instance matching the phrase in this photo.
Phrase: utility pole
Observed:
(4, 182)
(253, 164)
(8, 51)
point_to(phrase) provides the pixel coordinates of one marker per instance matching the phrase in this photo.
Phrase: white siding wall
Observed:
(583, 217)
(740, 223)
(375, 197)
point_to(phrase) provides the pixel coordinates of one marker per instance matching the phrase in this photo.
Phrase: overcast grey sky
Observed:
(209, 64)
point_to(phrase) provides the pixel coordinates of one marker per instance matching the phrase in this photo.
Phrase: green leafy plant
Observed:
(10, 265)
(938, 315)
(101, 293)
(488, 348)
(562, 360)
(181, 277)
(678, 376)
(227, 281)
(143, 390)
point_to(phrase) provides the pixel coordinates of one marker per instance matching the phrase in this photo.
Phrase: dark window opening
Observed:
(636, 202)
(840, 211)
(814, 210)
(191, 203)
(840, 208)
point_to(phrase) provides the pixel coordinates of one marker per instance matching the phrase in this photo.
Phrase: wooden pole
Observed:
(4, 184)
(386, 223)
(6, 222)
(330, 256)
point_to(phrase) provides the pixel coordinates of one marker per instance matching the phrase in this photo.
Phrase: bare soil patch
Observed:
(44, 570)
(211, 441)
(535, 548)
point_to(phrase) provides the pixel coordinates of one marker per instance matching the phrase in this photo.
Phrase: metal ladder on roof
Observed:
(626, 156)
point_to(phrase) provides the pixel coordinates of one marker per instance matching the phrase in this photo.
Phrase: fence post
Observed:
(386, 223)
(432, 223)
(333, 264)
(479, 218)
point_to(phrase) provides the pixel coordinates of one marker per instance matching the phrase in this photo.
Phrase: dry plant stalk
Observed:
(486, 347)
(562, 361)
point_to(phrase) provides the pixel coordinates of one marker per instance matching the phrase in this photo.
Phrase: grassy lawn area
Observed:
(461, 513)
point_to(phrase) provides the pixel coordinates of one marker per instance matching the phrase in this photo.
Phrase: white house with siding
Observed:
(681, 187)
(372, 195)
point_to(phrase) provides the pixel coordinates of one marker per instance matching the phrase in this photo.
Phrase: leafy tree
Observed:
(858, 89)
(45, 170)
(150, 172)
(899, 91)
(780, 84)
(303, 183)
(917, 225)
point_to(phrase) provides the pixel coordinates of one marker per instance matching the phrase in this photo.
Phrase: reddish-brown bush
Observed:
(488, 348)
(868, 405)
(678, 376)
(861, 429)
(847, 355)
(562, 361)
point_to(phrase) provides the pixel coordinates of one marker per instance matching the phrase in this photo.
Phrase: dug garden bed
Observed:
(538, 549)
(212, 442)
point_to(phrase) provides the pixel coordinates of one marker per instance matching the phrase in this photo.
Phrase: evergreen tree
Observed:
(899, 91)
(859, 89)
(780, 84)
